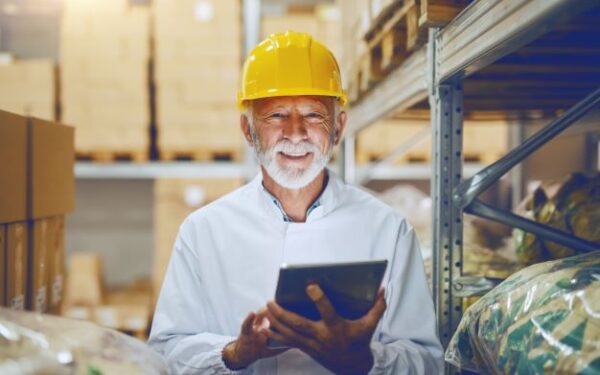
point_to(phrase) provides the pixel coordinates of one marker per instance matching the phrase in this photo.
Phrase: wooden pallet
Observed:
(398, 30)
(112, 156)
(202, 155)
(364, 157)
(394, 34)
(438, 13)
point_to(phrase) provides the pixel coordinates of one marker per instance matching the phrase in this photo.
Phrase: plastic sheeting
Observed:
(32, 343)
(574, 208)
(543, 319)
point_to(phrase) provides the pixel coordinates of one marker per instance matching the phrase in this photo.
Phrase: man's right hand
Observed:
(251, 345)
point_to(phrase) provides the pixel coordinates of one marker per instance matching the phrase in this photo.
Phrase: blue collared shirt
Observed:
(315, 204)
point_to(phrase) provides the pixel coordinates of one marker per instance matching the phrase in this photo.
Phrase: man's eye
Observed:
(277, 116)
(314, 115)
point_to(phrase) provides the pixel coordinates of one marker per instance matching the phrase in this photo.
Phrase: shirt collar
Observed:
(324, 203)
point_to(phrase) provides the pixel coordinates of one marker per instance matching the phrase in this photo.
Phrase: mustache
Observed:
(286, 146)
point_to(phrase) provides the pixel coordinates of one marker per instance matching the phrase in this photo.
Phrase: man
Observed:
(215, 312)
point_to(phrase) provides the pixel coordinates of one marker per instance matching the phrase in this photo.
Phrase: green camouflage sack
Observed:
(543, 319)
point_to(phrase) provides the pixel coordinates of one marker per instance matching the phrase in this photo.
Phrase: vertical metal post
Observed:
(251, 20)
(592, 152)
(447, 105)
(347, 159)
(517, 134)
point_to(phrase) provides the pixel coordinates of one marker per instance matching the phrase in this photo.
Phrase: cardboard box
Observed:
(174, 200)
(16, 264)
(40, 242)
(2, 264)
(324, 26)
(105, 54)
(198, 50)
(52, 163)
(84, 283)
(380, 139)
(29, 88)
(56, 266)
(13, 168)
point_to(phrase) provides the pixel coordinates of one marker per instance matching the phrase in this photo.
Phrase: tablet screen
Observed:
(351, 287)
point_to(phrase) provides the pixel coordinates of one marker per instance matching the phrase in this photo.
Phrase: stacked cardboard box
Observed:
(174, 200)
(105, 54)
(29, 88)
(36, 190)
(197, 67)
(355, 21)
(127, 310)
(380, 139)
(323, 24)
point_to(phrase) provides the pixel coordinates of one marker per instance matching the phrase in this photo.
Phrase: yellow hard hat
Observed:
(290, 64)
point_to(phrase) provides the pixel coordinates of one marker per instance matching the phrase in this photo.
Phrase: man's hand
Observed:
(342, 346)
(251, 345)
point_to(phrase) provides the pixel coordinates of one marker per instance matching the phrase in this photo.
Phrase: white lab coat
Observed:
(225, 264)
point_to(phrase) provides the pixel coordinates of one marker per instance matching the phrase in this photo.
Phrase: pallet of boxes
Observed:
(104, 59)
(37, 188)
(29, 87)
(87, 298)
(174, 200)
(197, 55)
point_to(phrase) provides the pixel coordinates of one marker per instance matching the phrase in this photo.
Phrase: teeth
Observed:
(296, 155)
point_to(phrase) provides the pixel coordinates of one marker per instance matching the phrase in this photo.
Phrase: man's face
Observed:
(294, 136)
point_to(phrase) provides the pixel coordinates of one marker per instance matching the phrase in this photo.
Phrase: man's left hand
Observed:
(342, 346)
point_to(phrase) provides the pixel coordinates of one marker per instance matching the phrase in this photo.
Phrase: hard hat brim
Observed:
(273, 93)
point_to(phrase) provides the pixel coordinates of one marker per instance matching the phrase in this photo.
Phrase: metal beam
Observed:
(481, 209)
(447, 219)
(490, 29)
(88, 170)
(466, 192)
(517, 134)
(401, 89)
(251, 18)
(348, 159)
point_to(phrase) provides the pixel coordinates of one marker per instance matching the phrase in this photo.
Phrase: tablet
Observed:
(351, 287)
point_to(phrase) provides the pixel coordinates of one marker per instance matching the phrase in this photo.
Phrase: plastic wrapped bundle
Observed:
(32, 343)
(544, 319)
(574, 209)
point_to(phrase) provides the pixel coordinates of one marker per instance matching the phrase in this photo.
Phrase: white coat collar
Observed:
(329, 198)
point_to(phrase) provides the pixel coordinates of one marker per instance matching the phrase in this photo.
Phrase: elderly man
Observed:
(216, 312)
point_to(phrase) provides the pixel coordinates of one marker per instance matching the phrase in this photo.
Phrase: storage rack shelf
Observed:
(517, 56)
(152, 170)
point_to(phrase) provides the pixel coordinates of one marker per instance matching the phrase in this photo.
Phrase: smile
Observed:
(295, 156)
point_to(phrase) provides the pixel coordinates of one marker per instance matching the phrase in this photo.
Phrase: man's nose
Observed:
(295, 129)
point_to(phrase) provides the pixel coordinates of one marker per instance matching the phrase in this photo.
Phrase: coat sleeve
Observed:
(179, 332)
(406, 341)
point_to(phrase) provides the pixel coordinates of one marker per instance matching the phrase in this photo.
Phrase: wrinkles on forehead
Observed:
(303, 104)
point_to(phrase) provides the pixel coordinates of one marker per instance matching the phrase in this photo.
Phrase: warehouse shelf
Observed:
(403, 88)
(413, 171)
(490, 29)
(520, 56)
(151, 170)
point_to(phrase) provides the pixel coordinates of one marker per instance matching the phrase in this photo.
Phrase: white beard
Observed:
(291, 177)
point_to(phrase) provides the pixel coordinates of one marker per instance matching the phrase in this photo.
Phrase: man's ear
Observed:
(340, 126)
(245, 125)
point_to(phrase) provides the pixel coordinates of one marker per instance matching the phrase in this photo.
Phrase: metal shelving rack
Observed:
(482, 34)
(206, 170)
